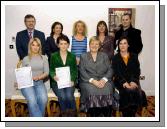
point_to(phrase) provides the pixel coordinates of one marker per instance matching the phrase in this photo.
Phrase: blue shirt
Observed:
(78, 47)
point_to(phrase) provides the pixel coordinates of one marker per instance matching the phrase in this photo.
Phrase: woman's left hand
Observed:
(102, 82)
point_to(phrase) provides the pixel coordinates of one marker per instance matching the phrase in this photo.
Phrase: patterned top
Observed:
(79, 47)
(107, 46)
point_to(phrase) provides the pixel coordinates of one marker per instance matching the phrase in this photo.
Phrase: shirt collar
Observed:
(30, 31)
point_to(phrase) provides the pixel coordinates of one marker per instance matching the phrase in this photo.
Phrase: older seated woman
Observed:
(96, 85)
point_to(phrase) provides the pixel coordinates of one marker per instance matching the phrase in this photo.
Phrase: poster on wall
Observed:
(114, 18)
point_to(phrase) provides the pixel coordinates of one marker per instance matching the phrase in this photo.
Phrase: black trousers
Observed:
(129, 111)
(100, 112)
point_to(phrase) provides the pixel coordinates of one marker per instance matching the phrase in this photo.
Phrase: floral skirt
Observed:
(96, 101)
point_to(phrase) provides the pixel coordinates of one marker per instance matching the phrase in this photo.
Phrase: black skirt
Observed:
(132, 97)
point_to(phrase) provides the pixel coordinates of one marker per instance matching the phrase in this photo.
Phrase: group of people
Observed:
(96, 72)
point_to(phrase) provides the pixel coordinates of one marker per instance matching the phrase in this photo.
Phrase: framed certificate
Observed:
(63, 74)
(24, 77)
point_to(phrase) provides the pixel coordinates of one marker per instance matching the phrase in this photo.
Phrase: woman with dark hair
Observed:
(51, 44)
(107, 42)
(63, 58)
(126, 68)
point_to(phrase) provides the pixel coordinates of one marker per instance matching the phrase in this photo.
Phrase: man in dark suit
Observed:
(23, 37)
(134, 35)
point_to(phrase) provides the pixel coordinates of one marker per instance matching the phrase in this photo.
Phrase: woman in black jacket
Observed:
(51, 41)
(51, 45)
(126, 78)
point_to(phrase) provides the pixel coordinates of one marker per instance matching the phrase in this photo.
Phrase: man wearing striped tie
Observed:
(23, 37)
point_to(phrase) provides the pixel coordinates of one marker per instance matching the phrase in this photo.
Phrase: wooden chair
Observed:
(17, 97)
(115, 104)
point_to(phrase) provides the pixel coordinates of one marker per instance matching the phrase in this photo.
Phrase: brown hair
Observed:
(122, 38)
(53, 26)
(28, 16)
(126, 14)
(106, 29)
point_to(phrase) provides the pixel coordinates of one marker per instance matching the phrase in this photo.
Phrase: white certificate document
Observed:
(24, 77)
(63, 74)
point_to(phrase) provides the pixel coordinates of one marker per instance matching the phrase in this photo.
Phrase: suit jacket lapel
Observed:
(61, 61)
(26, 36)
(122, 62)
(35, 33)
(130, 59)
(53, 43)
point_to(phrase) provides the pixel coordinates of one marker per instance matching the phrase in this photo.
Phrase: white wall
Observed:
(67, 15)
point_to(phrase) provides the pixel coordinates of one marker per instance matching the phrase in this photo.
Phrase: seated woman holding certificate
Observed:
(36, 95)
(96, 85)
(63, 69)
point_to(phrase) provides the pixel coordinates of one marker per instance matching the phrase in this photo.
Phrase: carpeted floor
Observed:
(21, 109)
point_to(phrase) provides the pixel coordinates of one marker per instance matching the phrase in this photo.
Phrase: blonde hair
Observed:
(75, 26)
(94, 38)
(37, 40)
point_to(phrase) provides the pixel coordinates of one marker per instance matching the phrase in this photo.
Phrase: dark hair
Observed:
(64, 38)
(102, 23)
(120, 39)
(53, 26)
(28, 16)
(127, 14)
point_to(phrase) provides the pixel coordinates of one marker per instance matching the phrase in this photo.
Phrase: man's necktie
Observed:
(30, 34)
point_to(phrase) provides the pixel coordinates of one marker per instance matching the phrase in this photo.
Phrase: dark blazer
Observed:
(125, 73)
(51, 46)
(57, 62)
(22, 40)
(134, 36)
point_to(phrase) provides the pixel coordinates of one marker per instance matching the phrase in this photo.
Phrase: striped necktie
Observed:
(30, 34)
